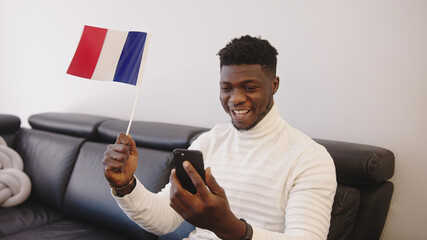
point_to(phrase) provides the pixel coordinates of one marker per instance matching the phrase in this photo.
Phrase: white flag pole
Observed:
(139, 80)
(133, 109)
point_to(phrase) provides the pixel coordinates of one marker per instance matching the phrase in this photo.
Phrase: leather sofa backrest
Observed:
(73, 124)
(156, 135)
(49, 159)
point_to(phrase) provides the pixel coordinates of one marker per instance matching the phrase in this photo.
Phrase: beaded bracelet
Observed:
(125, 187)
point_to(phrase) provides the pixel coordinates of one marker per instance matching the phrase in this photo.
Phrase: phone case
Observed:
(195, 157)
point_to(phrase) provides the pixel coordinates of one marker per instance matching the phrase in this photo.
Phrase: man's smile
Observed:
(239, 113)
(241, 116)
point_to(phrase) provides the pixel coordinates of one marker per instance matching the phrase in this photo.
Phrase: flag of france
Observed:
(110, 55)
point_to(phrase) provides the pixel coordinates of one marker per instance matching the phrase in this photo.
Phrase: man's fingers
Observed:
(118, 156)
(179, 210)
(118, 147)
(178, 195)
(132, 146)
(128, 142)
(119, 164)
(195, 177)
(213, 185)
(111, 164)
(122, 139)
(182, 201)
(114, 170)
(115, 158)
(176, 187)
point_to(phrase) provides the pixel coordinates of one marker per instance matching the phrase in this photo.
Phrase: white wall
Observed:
(350, 70)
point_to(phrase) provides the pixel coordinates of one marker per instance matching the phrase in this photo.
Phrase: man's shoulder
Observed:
(305, 153)
(296, 136)
(299, 139)
(219, 131)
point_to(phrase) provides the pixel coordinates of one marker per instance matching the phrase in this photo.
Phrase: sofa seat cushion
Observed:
(26, 216)
(64, 230)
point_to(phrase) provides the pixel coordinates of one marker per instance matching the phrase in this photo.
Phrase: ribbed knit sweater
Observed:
(278, 179)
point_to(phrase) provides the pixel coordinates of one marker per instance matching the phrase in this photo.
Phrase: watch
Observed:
(249, 231)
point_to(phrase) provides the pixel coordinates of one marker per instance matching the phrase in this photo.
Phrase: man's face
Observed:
(246, 93)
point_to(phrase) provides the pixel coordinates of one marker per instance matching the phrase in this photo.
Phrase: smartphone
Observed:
(195, 157)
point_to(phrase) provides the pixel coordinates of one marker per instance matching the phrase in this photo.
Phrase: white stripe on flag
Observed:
(110, 55)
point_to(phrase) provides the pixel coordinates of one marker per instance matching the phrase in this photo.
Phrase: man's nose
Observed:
(237, 97)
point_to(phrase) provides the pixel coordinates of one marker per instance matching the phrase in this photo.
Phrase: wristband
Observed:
(125, 187)
(249, 231)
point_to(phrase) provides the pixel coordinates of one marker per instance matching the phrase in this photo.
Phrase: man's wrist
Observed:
(234, 230)
(125, 189)
(249, 231)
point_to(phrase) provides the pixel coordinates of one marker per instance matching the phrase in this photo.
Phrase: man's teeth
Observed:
(240, 111)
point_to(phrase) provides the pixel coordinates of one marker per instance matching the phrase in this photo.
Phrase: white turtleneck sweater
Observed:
(278, 179)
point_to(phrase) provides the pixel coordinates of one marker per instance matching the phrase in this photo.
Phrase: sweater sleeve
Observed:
(150, 211)
(309, 206)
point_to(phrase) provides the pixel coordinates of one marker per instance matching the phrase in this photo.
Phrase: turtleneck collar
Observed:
(270, 123)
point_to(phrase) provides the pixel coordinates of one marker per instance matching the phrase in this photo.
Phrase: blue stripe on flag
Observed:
(130, 59)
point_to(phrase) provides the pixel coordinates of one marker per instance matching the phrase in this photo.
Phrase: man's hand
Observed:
(120, 161)
(208, 208)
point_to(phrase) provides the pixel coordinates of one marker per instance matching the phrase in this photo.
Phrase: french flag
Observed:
(110, 55)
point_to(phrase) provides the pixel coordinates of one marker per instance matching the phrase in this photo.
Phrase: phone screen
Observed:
(195, 157)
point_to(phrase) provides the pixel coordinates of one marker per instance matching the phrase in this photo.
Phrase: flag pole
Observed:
(133, 109)
(138, 84)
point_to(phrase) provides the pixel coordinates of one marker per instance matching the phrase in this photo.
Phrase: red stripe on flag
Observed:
(87, 53)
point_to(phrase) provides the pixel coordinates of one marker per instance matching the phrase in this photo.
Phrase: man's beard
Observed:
(260, 117)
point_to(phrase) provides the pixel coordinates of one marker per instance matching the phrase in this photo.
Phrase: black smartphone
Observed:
(195, 157)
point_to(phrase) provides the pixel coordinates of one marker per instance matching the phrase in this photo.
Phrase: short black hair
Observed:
(249, 50)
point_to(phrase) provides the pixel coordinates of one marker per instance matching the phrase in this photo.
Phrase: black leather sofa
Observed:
(70, 198)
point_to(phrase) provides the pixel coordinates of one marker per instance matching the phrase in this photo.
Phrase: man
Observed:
(271, 181)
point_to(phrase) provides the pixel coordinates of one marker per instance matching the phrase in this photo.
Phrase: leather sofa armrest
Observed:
(344, 211)
(359, 164)
(9, 124)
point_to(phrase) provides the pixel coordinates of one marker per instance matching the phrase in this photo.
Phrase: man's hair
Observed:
(249, 50)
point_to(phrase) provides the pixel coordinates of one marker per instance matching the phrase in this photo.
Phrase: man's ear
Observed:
(275, 84)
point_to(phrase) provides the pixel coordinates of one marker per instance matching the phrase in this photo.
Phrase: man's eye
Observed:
(224, 88)
(250, 88)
